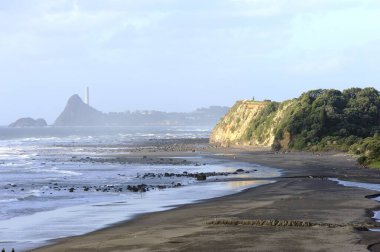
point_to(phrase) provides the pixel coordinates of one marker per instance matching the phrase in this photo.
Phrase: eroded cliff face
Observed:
(232, 128)
(250, 123)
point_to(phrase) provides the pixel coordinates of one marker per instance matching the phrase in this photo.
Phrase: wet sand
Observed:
(303, 194)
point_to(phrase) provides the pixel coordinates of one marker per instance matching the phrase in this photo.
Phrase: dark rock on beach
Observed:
(201, 176)
(137, 188)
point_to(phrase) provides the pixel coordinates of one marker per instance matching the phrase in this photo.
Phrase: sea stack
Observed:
(78, 113)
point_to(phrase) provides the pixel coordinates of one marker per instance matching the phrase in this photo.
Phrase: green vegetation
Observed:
(330, 119)
(259, 126)
(374, 165)
(369, 151)
(325, 119)
(321, 119)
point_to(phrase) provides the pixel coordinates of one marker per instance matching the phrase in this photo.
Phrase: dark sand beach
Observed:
(302, 211)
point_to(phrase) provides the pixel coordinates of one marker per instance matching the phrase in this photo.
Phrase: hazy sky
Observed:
(177, 55)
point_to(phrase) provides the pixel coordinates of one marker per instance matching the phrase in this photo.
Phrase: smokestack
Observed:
(87, 96)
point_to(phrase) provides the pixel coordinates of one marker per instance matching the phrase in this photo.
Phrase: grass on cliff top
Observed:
(258, 102)
(374, 165)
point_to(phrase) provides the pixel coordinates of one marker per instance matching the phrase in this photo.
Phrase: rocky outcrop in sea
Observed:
(28, 122)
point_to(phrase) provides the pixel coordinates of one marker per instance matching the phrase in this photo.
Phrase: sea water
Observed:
(38, 167)
(369, 186)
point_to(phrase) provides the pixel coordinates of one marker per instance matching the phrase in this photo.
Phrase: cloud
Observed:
(271, 29)
(168, 46)
(66, 29)
(335, 30)
(318, 67)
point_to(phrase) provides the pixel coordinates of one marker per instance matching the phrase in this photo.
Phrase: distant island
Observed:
(319, 120)
(79, 113)
(28, 122)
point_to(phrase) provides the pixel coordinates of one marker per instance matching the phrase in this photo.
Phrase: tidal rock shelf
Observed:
(198, 176)
(289, 223)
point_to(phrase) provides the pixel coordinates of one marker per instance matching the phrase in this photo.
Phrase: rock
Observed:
(138, 188)
(201, 176)
(71, 189)
(28, 122)
(78, 113)
(239, 170)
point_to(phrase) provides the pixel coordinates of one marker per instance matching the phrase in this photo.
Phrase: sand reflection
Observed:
(245, 183)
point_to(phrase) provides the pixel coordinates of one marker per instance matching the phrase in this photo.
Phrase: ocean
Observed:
(58, 182)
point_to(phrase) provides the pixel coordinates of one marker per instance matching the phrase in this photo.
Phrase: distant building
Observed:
(87, 96)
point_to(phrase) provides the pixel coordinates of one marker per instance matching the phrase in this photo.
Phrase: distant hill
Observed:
(28, 122)
(78, 113)
(323, 119)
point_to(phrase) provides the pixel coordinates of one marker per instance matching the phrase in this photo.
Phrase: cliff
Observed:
(322, 119)
(250, 123)
(28, 122)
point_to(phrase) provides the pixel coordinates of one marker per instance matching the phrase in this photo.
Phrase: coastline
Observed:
(303, 193)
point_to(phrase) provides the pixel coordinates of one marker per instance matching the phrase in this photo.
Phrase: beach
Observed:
(68, 182)
(334, 217)
(190, 126)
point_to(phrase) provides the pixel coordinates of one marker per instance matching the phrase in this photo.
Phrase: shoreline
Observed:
(142, 215)
(97, 215)
(300, 194)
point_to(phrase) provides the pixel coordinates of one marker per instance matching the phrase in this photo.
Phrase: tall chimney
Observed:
(87, 96)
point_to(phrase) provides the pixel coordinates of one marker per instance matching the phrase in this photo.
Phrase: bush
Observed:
(299, 143)
(261, 124)
(362, 160)
(276, 146)
(329, 119)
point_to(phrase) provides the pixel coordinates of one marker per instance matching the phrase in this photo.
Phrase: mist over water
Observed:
(114, 133)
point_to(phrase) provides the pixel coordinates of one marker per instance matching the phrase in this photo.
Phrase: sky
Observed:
(179, 55)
